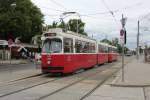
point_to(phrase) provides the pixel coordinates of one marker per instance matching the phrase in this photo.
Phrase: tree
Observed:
(71, 26)
(23, 20)
(106, 41)
(73, 23)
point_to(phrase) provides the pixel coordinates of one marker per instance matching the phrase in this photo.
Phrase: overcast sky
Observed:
(99, 21)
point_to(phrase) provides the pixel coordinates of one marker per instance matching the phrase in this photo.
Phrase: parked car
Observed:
(129, 53)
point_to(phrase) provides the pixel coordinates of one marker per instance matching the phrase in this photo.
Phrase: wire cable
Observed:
(58, 4)
(52, 9)
(110, 11)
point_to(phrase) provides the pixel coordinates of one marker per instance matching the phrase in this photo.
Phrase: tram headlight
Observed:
(48, 60)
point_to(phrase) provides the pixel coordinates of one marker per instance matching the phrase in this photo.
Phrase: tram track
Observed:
(21, 81)
(53, 80)
(80, 77)
(46, 97)
(78, 81)
(70, 85)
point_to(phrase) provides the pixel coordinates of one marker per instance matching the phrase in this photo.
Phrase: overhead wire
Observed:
(145, 16)
(92, 14)
(110, 11)
(52, 9)
(58, 4)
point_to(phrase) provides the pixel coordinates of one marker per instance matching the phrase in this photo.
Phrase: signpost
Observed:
(123, 41)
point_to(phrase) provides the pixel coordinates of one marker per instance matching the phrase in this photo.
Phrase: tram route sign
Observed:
(123, 36)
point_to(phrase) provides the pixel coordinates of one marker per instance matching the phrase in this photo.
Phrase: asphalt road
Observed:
(17, 71)
(16, 67)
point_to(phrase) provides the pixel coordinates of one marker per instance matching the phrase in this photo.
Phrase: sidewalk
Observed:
(136, 73)
(136, 84)
(7, 62)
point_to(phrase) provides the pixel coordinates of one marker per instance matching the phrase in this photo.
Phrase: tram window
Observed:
(68, 45)
(90, 48)
(78, 46)
(106, 49)
(85, 47)
(110, 49)
(52, 46)
(93, 48)
(101, 49)
(114, 50)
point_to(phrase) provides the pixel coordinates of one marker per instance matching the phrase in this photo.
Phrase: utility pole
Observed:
(123, 33)
(122, 55)
(138, 40)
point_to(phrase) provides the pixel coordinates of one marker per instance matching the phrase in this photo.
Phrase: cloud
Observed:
(104, 25)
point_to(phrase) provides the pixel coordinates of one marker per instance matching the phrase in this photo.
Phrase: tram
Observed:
(67, 52)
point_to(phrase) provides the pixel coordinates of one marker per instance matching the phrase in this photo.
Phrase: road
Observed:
(17, 71)
(45, 87)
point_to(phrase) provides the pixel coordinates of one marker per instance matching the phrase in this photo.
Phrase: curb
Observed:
(129, 85)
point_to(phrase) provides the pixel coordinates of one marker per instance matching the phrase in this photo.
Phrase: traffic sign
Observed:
(123, 36)
(121, 32)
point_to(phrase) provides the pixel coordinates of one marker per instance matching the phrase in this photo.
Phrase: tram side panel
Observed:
(106, 57)
(67, 63)
(78, 61)
(102, 58)
(112, 57)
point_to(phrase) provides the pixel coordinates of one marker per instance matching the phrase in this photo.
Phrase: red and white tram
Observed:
(68, 52)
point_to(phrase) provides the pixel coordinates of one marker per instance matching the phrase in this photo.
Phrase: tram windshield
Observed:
(52, 46)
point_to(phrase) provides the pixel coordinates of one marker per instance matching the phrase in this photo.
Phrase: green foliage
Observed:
(71, 26)
(106, 41)
(23, 20)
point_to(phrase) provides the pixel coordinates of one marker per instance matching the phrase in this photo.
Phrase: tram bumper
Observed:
(53, 69)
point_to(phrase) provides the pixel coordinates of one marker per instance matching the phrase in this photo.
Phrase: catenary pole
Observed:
(138, 40)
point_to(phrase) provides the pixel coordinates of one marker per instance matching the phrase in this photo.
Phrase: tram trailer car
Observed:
(68, 52)
(112, 53)
(102, 53)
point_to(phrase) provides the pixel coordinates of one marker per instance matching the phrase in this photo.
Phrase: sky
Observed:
(100, 23)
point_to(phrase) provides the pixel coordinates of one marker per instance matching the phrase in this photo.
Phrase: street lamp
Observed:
(12, 5)
(66, 13)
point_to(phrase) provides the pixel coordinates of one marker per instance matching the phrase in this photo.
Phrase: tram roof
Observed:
(69, 34)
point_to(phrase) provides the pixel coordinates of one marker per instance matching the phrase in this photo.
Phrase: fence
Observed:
(4, 55)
